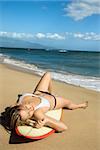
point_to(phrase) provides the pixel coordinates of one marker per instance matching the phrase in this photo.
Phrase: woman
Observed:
(31, 108)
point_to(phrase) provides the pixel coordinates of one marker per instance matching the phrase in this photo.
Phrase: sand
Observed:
(83, 125)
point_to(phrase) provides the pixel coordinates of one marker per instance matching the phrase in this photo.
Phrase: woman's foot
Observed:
(84, 105)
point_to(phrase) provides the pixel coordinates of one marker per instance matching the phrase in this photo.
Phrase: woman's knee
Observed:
(48, 74)
(67, 103)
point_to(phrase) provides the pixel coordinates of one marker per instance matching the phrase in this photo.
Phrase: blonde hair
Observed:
(15, 117)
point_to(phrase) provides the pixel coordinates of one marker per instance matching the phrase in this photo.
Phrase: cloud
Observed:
(51, 36)
(87, 36)
(79, 10)
(16, 35)
(55, 36)
(40, 36)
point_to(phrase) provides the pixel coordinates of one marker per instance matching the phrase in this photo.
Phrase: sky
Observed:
(65, 24)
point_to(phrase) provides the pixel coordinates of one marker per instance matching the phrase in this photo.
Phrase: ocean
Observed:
(80, 68)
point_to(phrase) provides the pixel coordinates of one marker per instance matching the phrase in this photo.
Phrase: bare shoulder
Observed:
(38, 114)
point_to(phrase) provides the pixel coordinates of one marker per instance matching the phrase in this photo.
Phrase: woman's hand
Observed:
(40, 123)
(30, 122)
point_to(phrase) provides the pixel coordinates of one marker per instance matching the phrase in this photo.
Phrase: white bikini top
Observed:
(44, 101)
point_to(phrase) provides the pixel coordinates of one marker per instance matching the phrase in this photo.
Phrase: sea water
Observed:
(81, 68)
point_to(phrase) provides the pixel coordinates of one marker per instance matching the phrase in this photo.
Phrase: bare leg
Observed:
(50, 86)
(73, 106)
(44, 83)
(64, 103)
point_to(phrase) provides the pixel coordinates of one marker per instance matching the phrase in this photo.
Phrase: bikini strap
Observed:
(20, 95)
(51, 95)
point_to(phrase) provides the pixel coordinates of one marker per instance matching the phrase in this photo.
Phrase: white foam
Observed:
(1, 55)
(88, 82)
(92, 83)
(19, 64)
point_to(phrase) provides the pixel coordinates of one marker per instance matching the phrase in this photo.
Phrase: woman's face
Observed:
(26, 111)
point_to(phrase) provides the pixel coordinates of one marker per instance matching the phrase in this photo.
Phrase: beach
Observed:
(83, 125)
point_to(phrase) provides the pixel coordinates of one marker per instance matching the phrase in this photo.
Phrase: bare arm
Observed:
(43, 120)
(57, 125)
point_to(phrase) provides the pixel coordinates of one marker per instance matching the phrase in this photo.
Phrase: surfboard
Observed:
(34, 133)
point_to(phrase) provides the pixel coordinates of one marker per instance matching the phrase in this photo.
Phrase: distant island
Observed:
(11, 43)
(16, 43)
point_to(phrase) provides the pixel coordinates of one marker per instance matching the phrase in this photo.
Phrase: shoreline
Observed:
(83, 75)
(80, 122)
(87, 82)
